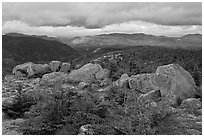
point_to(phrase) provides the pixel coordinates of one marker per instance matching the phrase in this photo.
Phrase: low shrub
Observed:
(65, 111)
(60, 109)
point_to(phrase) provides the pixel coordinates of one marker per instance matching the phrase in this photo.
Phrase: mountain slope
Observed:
(139, 39)
(22, 48)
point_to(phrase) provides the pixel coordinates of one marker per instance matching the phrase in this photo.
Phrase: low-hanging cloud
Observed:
(128, 27)
(99, 15)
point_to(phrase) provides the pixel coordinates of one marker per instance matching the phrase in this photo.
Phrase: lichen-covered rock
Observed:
(19, 74)
(65, 67)
(25, 68)
(142, 82)
(88, 73)
(191, 104)
(39, 69)
(55, 66)
(53, 78)
(176, 83)
(30, 69)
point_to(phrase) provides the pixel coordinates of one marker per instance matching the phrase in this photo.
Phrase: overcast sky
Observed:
(80, 19)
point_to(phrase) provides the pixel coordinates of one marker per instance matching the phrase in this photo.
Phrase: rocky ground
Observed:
(169, 82)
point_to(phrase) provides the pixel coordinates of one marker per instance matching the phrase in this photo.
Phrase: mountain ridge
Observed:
(134, 39)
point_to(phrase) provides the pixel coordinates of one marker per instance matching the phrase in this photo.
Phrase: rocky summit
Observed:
(170, 84)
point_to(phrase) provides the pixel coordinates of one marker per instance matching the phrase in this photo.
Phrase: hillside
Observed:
(144, 59)
(118, 40)
(19, 48)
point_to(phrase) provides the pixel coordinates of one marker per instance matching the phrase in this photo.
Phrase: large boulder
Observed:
(65, 67)
(53, 78)
(191, 104)
(142, 82)
(39, 69)
(20, 74)
(55, 66)
(88, 73)
(25, 68)
(30, 69)
(175, 83)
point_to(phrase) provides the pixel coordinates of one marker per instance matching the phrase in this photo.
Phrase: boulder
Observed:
(88, 73)
(142, 82)
(152, 96)
(30, 69)
(123, 81)
(24, 69)
(19, 74)
(102, 73)
(175, 83)
(53, 78)
(65, 67)
(55, 66)
(191, 104)
(39, 69)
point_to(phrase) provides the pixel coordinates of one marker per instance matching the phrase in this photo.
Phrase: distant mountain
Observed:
(45, 37)
(138, 39)
(20, 48)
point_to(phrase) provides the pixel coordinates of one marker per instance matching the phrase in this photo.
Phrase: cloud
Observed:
(127, 27)
(100, 15)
